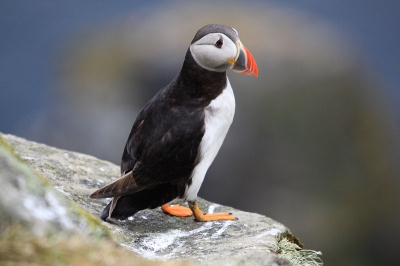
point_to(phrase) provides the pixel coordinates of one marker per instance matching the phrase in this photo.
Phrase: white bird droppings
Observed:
(271, 232)
(222, 229)
(212, 207)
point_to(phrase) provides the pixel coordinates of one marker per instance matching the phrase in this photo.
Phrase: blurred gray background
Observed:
(315, 139)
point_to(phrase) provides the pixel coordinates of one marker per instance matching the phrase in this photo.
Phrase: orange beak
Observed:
(245, 62)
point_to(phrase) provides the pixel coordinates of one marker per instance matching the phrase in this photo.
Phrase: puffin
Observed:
(178, 133)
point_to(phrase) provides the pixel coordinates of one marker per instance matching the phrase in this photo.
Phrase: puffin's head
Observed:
(218, 48)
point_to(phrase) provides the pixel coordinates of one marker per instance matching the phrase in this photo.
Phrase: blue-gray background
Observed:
(33, 31)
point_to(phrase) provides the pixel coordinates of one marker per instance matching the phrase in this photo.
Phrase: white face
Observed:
(215, 52)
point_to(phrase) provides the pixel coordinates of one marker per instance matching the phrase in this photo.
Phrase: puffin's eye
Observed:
(219, 43)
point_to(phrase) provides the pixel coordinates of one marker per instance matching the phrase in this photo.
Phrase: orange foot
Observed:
(200, 217)
(176, 210)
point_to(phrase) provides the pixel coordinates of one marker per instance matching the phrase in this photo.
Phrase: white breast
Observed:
(218, 118)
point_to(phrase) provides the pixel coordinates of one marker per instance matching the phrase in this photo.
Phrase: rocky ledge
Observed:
(41, 183)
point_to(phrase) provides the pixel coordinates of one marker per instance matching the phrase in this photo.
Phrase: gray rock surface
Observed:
(26, 198)
(253, 239)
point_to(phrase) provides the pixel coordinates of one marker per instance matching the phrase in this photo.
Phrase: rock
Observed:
(253, 239)
(26, 197)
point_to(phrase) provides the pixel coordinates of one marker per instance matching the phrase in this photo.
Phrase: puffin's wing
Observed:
(135, 139)
(163, 144)
(123, 186)
(162, 148)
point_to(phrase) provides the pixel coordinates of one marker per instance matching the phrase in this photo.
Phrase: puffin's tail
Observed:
(120, 208)
(104, 215)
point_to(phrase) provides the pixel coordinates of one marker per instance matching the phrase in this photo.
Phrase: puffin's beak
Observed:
(244, 62)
